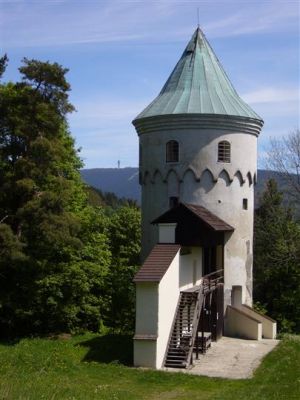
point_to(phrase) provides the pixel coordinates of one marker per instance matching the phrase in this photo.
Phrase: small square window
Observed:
(245, 204)
(173, 201)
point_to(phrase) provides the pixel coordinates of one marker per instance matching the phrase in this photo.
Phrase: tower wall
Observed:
(198, 178)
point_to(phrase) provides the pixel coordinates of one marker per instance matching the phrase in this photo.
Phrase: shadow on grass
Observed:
(111, 348)
(9, 342)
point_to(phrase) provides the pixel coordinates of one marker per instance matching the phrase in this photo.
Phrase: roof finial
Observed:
(198, 23)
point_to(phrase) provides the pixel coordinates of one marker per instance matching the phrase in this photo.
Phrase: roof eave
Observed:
(226, 228)
(225, 122)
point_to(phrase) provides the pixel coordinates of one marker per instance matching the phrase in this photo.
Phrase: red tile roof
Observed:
(157, 263)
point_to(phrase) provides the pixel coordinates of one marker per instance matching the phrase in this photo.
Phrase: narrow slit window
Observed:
(140, 155)
(245, 204)
(224, 152)
(172, 151)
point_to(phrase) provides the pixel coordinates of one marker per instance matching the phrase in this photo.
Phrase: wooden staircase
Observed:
(183, 335)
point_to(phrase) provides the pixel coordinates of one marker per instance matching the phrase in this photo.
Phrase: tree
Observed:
(277, 260)
(54, 250)
(3, 63)
(284, 157)
(124, 238)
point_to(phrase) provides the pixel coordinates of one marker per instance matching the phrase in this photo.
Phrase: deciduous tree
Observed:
(277, 260)
(124, 237)
(284, 156)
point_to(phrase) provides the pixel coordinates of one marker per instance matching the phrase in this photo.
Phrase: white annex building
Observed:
(198, 156)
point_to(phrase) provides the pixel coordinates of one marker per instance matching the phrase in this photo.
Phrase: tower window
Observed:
(173, 201)
(140, 155)
(245, 204)
(172, 151)
(224, 151)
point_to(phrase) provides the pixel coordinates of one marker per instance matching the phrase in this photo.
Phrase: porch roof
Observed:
(157, 263)
(176, 214)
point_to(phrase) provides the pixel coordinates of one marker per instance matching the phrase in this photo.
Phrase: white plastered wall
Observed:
(240, 324)
(190, 268)
(167, 301)
(146, 324)
(178, 277)
(156, 306)
(202, 180)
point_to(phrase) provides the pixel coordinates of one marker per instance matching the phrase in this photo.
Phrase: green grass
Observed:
(98, 367)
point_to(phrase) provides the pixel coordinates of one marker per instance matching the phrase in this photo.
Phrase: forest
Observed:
(68, 253)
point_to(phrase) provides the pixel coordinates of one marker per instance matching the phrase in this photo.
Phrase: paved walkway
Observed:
(232, 358)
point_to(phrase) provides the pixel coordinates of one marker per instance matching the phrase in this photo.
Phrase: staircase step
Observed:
(179, 347)
(176, 352)
(175, 364)
(176, 358)
(178, 343)
(171, 365)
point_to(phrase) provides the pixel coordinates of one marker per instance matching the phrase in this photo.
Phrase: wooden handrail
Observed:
(177, 341)
(213, 273)
(195, 323)
(172, 328)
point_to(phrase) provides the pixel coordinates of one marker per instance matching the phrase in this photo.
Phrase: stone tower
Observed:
(198, 145)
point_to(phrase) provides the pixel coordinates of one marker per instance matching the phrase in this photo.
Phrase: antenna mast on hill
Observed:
(119, 163)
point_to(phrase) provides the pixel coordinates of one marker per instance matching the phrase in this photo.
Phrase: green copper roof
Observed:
(198, 85)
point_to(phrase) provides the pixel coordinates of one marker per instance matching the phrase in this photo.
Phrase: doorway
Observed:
(209, 259)
(213, 259)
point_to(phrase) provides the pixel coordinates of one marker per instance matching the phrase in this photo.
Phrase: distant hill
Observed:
(124, 182)
(98, 198)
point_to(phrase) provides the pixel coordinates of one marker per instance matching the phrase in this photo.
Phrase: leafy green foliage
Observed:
(277, 260)
(98, 198)
(94, 198)
(124, 237)
(54, 248)
(3, 64)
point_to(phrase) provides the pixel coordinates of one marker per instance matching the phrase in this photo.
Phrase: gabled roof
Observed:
(208, 218)
(157, 263)
(198, 85)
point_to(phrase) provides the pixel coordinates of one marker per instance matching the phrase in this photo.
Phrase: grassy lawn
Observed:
(98, 367)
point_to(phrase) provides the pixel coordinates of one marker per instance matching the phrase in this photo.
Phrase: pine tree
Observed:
(54, 252)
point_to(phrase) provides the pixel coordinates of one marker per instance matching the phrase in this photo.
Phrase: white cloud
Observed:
(271, 95)
(264, 17)
(56, 23)
(107, 109)
(62, 23)
(102, 127)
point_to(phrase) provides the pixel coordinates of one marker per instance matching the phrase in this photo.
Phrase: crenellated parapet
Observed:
(156, 175)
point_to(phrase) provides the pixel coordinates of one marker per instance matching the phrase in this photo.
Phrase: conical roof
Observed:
(198, 85)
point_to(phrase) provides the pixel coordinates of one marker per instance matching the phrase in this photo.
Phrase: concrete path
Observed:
(232, 358)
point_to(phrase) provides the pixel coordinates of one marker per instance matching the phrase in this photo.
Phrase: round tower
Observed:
(198, 145)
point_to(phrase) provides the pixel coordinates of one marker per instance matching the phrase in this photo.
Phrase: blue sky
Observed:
(120, 54)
